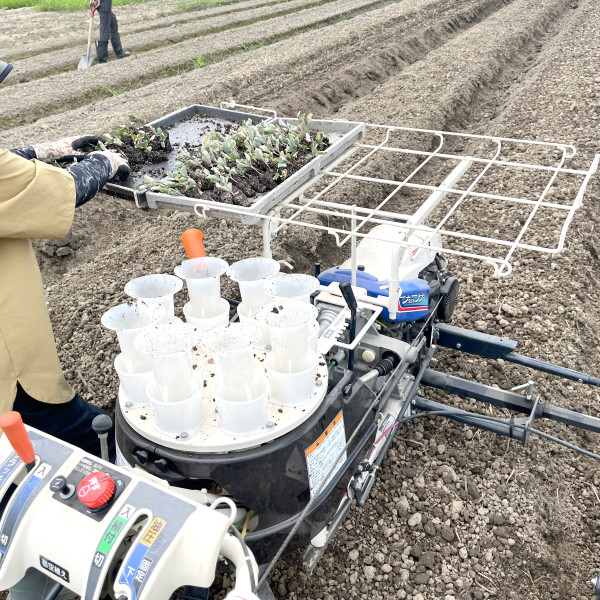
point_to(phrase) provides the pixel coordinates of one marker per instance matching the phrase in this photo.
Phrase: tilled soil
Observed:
(456, 513)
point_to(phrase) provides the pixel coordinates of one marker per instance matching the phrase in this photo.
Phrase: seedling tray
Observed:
(185, 126)
(342, 134)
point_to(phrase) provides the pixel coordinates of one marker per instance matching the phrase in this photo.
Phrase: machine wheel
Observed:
(449, 293)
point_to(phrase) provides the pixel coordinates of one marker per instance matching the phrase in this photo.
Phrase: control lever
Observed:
(12, 425)
(102, 424)
(350, 299)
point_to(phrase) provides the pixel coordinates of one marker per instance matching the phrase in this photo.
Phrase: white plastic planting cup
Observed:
(291, 286)
(159, 288)
(289, 326)
(244, 315)
(203, 279)
(251, 274)
(292, 389)
(169, 347)
(238, 376)
(129, 320)
(243, 418)
(175, 418)
(133, 385)
(194, 316)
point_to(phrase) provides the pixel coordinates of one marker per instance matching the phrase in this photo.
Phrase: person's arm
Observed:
(37, 201)
(90, 174)
(26, 152)
(93, 172)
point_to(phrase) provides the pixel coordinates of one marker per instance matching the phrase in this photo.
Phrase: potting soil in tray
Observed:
(186, 134)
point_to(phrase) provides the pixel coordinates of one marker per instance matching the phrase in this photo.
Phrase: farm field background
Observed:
(495, 520)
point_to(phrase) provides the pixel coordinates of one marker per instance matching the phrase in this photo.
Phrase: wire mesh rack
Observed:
(486, 196)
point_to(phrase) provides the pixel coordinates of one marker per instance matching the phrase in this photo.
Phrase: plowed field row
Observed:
(24, 32)
(52, 63)
(417, 27)
(154, 34)
(454, 514)
(81, 87)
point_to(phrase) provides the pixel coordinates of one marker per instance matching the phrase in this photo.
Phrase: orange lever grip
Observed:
(192, 242)
(12, 424)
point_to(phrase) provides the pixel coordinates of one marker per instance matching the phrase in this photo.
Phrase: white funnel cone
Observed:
(129, 320)
(159, 288)
(251, 274)
(231, 347)
(241, 389)
(203, 279)
(289, 326)
(169, 347)
(291, 286)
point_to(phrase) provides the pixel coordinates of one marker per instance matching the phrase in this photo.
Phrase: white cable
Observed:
(230, 503)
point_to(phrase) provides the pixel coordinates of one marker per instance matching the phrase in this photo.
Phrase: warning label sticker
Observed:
(322, 454)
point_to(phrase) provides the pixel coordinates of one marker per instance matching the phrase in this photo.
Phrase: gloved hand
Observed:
(69, 146)
(94, 4)
(118, 163)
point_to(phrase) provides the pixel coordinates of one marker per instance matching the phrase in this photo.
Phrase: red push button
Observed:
(96, 489)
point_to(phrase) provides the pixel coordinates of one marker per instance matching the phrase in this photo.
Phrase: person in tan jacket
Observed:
(37, 201)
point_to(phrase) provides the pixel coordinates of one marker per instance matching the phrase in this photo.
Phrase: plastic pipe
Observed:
(291, 286)
(232, 549)
(128, 320)
(192, 240)
(288, 324)
(238, 376)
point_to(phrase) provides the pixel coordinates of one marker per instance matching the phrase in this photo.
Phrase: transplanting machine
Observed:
(287, 408)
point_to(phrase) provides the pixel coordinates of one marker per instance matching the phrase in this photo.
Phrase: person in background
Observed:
(109, 30)
(38, 201)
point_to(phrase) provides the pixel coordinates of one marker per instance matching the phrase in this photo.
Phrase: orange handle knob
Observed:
(192, 242)
(12, 424)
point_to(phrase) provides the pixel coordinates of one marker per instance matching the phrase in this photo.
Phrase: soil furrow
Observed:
(380, 63)
(67, 90)
(26, 52)
(60, 61)
(22, 25)
(292, 60)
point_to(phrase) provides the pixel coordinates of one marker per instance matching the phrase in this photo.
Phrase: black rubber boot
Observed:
(116, 44)
(102, 51)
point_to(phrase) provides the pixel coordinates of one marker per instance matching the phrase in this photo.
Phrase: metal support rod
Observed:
(546, 367)
(55, 590)
(491, 346)
(501, 427)
(508, 400)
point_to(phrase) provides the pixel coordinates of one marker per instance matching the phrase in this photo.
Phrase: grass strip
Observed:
(79, 5)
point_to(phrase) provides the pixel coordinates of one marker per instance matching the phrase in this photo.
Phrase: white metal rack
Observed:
(440, 211)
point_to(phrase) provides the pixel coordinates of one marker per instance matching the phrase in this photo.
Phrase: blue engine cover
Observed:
(414, 293)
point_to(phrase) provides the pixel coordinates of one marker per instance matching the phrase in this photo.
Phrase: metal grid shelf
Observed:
(486, 196)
